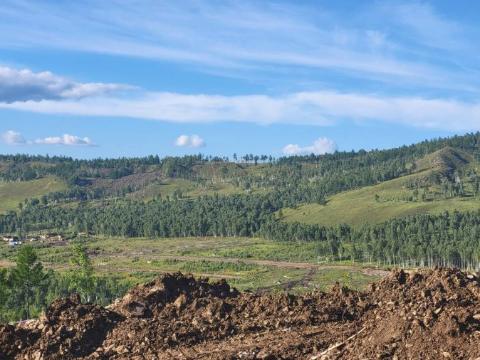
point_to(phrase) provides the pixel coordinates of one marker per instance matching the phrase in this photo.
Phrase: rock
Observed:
(180, 302)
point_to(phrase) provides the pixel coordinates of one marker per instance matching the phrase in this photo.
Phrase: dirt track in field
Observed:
(370, 271)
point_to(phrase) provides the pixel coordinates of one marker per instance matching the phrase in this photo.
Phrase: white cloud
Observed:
(66, 139)
(192, 141)
(25, 85)
(92, 89)
(11, 137)
(320, 146)
(321, 108)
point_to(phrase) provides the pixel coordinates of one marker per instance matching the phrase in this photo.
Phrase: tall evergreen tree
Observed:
(28, 277)
(83, 280)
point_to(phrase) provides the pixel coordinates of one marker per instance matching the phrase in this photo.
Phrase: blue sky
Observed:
(131, 78)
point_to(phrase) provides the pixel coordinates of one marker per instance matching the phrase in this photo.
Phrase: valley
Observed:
(295, 224)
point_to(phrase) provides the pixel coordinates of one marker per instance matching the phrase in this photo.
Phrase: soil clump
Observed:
(429, 314)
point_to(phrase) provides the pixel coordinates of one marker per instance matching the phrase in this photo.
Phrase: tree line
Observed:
(450, 238)
(446, 239)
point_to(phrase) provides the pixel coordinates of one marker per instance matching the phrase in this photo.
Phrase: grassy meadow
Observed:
(12, 193)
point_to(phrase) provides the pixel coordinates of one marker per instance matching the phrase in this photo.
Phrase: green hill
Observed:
(417, 193)
(357, 207)
(395, 200)
(354, 187)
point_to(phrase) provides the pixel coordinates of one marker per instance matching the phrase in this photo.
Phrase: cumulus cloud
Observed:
(11, 137)
(66, 139)
(191, 141)
(26, 85)
(320, 146)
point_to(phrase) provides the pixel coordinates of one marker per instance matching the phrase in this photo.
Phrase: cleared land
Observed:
(254, 264)
(187, 188)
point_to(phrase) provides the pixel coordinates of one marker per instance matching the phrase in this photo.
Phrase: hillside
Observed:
(359, 207)
(427, 192)
(416, 189)
(417, 193)
(308, 179)
(13, 193)
(445, 161)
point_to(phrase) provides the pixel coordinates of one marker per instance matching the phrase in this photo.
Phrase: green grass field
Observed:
(12, 193)
(357, 207)
(247, 263)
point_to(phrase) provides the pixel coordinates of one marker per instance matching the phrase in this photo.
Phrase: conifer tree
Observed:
(28, 277)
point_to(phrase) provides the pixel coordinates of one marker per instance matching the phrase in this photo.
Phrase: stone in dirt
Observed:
(430, 314)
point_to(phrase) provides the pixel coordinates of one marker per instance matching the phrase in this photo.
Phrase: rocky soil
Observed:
(431, 314)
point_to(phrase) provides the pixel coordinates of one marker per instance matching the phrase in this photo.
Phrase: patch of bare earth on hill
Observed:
(134, 181)
(430, 314)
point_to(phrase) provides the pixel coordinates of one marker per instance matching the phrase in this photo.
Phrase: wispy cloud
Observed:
(25, 85)
(424, 25)
(416, 53)
(12, 137)
(321, 108)
(191, 141)
(320, 146)
(183, 108)
(248, 36)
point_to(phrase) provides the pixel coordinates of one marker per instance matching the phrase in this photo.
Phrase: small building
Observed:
(14, 242)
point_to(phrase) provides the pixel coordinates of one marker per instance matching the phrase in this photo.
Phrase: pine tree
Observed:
(83, 280)
(28, 277)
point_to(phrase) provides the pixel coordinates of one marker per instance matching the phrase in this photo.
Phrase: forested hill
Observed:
(360, 205)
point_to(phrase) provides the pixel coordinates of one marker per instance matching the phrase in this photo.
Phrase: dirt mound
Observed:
(68, 330)
(13, 340)
(149, 299)
(432, 314)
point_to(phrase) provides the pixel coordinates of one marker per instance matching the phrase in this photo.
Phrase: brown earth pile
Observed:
(431, 314)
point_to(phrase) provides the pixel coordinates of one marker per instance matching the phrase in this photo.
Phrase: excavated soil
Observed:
(431, 314)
